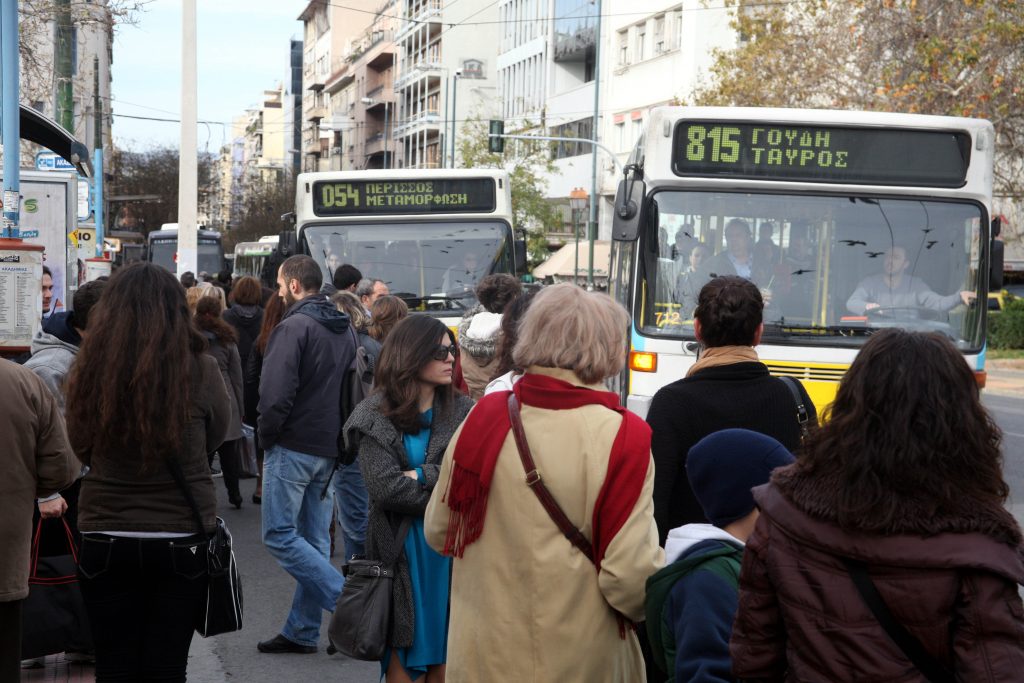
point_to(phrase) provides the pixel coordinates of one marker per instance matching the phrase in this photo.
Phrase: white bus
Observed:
(251, 257)
(822, 210)
(431, 235)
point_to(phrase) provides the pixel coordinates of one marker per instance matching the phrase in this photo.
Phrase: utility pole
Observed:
(595, 195)
(455, 116)
(188, 182)
(11, 117)
(97, 181)
(63, 39)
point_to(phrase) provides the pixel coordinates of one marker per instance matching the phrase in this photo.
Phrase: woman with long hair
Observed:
(386, 312)
(528, 603)
(223, 346)
(273, 310)
(506, 373)
(402, 430)
(144, 401)
(892, 519)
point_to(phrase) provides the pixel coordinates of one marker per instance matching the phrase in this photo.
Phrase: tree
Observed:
(525, 162)
(265, 198)
(945, 57)
(153, 173)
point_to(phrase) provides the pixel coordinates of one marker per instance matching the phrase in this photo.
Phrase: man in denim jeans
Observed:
(299, 422)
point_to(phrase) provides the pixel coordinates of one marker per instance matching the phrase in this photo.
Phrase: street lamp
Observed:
(577, 203)
(368, 102)
(455, 116)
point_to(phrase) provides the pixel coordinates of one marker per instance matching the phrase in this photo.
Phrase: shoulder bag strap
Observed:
(802, 416)
(533, 480)
(929, 667)
(179, 479)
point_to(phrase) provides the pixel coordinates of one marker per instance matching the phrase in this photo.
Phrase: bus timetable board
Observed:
(403, 197)
(826, 154)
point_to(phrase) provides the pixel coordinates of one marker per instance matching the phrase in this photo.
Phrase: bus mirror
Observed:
(519, 247)
(287, 243)
(997, 226)
(626, 222)
(995, 275)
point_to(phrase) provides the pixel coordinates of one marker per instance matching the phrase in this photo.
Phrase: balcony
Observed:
(311, 146)
(428, 120)
(416, 71)
(316, 113)
(421, 14)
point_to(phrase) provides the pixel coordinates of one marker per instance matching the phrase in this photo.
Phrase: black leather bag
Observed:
(53, 617)
(223, 608)
(361, 625)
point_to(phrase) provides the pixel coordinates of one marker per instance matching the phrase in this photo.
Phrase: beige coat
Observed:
(525, 604)
(35, 461)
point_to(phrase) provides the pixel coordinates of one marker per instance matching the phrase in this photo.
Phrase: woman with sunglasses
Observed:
(402, 431)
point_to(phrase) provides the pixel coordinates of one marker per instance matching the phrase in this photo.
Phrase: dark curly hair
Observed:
(729, 309)
(907, 422)
(509, 333)
(497, 291)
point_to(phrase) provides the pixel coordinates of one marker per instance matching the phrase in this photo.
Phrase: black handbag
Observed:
(53, 617)
(361, 624)
(222, 611)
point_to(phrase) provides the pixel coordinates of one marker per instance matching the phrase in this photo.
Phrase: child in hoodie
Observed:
(692, 602)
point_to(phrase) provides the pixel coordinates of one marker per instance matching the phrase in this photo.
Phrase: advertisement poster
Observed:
(44, 221)
(20, 296)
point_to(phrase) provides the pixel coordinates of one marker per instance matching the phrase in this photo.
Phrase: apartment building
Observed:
(362, 98)
(329, 29)
(91, 34)
(446, 76)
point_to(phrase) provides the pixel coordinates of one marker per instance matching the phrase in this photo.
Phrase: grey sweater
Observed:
(382, 459)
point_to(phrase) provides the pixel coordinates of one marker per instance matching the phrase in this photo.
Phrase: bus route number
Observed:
(338, 194)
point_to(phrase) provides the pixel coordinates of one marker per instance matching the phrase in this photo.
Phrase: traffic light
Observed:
(496, 143)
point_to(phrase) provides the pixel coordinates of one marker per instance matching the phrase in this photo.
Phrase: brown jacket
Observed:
(525, 604)
(953, 585)
(118, 495)
(35, 460)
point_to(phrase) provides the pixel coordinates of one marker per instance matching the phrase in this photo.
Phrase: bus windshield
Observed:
(432, 265)
(208, 257)
(830, 268)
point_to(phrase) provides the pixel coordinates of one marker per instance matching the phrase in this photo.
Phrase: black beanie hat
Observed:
(724, 466)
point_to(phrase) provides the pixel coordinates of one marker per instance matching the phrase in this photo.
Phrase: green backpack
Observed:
(724, 561)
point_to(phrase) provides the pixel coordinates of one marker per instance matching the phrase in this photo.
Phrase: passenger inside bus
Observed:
(894, 290)
(738, 256)
(690, 281)
(464, 278)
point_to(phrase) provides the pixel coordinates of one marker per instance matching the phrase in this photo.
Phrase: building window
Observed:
(659, 35)
(623, 48)
(582, 129)
(641, 43)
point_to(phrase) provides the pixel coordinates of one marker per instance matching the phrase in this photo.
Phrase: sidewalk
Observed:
(1005, 377)
(204, 666)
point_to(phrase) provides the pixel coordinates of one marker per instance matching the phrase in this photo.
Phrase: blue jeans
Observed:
(352, 500)
(296, 531)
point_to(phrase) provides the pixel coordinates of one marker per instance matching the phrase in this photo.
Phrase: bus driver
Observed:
(894, 289)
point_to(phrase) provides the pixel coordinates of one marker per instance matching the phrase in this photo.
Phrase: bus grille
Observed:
(807, 373)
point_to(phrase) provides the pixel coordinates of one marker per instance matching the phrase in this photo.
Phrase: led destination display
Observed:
(877, 156)
(370, 197)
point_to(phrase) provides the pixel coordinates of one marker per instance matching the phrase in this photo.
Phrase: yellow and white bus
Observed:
(848, 222)
(430, 234)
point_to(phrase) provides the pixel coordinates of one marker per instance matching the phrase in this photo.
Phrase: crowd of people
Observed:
(539, 530)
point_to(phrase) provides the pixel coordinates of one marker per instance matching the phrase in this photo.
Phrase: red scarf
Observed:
(484, 433)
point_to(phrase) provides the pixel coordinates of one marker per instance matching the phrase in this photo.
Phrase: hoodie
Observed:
(54, 348)
(247, 321)
(300, 387)
(478, 339)
(691, 603)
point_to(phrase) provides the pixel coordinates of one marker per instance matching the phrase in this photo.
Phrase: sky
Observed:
(243, 49)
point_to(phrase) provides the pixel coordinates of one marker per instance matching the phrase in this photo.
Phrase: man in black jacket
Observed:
(299, 422)
(728, 387)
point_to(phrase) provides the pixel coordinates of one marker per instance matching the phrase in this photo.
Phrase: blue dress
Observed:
(430, 573)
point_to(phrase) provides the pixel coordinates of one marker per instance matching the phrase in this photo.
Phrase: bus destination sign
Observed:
(403, 197)
(874, 156)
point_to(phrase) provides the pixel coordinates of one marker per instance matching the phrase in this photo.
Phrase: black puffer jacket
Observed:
(382, 459)
(246, 320)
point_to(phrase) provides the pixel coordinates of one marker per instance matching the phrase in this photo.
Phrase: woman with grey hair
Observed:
(524, 596)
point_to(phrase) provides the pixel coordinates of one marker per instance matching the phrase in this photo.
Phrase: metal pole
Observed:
(386, 164)
(97, 199)
(11, 124)
(447, 87)
(62, 66)
(576, 233)
(455, 115)
(188, 182)
(594, 196)
(547, 138)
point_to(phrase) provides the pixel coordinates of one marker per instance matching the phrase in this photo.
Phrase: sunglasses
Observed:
(441, 352)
